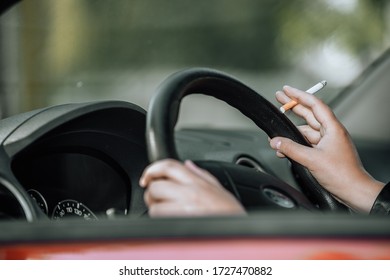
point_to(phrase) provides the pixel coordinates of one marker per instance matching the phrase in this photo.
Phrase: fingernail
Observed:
(278, 144)
(275, 143)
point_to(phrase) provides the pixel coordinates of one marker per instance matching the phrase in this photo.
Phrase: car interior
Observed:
(69, 171)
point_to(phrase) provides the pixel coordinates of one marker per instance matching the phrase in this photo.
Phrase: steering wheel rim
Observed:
(164, 110)
(30, 212)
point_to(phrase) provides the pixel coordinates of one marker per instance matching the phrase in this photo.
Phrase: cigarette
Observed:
(312, 90)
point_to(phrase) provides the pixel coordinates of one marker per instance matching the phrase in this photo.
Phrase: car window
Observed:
(55, 52)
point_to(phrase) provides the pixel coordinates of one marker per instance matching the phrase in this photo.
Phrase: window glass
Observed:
(55, 52)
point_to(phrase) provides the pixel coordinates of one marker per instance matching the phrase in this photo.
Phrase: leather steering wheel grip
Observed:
(164, 109)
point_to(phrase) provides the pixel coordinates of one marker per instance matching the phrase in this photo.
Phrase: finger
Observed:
(312, 135)
(299, 110)
(164, 190)
(148, 199)
(322, 113)
(307, 114)
(282, 98)
(166, 209)
(297, 152)
(202, 173)
(279, 154)
(166, 169)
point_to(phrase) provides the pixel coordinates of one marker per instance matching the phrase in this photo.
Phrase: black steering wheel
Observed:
(162, 118)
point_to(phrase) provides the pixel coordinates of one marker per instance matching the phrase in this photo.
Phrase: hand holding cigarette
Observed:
(332, 157)
(312, 90)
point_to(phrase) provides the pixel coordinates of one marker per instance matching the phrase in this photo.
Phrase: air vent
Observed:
(251, 163)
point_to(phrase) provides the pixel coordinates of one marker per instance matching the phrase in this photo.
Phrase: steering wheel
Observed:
(163, 115)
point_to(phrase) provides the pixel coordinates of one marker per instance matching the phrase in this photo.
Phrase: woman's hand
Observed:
(177, 189)
(332, 159)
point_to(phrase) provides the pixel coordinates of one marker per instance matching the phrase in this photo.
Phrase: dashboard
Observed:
(85, 160)
(76, 174)
(86, 166)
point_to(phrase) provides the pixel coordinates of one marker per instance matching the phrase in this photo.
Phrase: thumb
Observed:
(297, 152)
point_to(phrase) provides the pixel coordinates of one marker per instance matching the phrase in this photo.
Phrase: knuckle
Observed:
(171, 164)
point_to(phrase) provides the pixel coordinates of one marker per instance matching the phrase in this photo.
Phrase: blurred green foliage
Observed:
(63, 40)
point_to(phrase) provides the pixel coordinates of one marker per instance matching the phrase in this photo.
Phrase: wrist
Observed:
(365, 193)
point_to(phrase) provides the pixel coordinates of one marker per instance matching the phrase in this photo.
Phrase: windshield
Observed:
(55, 52)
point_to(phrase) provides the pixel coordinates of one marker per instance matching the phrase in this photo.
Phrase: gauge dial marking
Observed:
(72, 208)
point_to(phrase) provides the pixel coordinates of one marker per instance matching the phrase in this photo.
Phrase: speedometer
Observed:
(72, 208)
